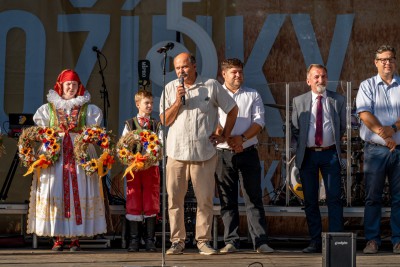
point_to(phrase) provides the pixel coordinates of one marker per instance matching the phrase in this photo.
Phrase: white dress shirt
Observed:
(251, 110)
(327, 139)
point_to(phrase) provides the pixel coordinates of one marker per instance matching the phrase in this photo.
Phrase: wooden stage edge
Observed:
(22, 209)
(119, 257)
(287, 252)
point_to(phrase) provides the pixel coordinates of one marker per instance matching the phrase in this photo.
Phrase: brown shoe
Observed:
(206, 249)
(371, 247)
(396, 248)
(176, 248)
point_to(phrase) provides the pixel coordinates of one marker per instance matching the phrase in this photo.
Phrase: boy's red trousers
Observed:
(143, 192)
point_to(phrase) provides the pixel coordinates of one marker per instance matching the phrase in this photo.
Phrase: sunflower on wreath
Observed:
(139, 150)
(97, 136)
(51, 147)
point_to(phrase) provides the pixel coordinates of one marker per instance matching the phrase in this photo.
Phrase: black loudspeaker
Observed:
(339, 249)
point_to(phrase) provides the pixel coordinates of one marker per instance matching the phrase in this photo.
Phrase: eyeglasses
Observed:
(386, 60)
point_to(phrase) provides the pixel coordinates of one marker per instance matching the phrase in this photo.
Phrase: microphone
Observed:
(95, 49)
(166, 48)
(181, 82)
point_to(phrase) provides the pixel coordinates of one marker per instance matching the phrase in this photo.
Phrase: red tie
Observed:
(318, 124)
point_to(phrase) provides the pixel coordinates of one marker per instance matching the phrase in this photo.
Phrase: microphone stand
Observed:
(106, 105)
(104, 92)
(164, 191)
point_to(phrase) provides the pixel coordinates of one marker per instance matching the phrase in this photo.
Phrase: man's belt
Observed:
(233, 151)
(319, 149)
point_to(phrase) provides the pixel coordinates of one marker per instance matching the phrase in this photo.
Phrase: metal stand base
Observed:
(9, 178)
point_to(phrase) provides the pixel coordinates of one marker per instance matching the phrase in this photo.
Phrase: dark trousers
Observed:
(244, 168)
(326, 162)
(380, 163)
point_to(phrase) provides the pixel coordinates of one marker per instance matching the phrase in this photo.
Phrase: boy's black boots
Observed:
(150, 234)
(134, 236)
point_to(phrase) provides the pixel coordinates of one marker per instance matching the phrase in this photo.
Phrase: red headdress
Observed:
(68, 75)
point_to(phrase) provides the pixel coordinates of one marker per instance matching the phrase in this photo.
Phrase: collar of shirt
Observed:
(230, 92)
(143, 117)
(246, 116)
(395, 79)
(314, 96)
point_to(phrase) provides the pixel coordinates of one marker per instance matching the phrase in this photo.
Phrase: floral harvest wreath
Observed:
(139, 150)
(51, 140)
(94, 134)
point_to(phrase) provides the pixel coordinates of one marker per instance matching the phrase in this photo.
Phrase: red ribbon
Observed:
(70, 168)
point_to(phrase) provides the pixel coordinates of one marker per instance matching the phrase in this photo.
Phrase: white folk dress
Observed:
(46, 204)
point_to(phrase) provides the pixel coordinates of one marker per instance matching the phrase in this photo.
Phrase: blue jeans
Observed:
(328, 163)
(380, 163)
(244, 168)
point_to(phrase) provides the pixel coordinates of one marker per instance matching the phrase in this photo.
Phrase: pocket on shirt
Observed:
(204, 106)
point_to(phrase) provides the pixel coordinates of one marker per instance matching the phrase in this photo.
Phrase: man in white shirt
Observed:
(191, 112)
(238, 161)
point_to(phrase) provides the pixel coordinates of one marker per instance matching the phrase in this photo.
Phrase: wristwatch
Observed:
(244, 138)
(394, 127)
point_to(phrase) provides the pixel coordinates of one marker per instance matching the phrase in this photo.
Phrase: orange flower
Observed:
(93, 164)
(109, 160)
(55, 147)
(49, 131)
(152, 138)
(104, 142)
(123, 153)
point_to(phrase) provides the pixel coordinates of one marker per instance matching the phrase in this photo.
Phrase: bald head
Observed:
(185, 65)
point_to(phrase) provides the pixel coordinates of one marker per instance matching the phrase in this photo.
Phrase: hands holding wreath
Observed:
(97, 136)
(51, 147)
(139, 149)
(51, 140)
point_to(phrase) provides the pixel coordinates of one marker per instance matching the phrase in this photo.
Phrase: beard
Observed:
(321, 88)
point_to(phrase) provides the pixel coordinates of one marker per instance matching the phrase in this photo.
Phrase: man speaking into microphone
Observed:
(191, 147)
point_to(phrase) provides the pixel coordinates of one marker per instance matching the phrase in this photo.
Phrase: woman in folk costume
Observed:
(64, 201)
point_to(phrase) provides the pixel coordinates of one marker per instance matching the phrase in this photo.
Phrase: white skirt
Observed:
(46, 203)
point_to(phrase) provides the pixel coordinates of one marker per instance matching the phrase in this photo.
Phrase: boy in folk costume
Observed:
(143, 189)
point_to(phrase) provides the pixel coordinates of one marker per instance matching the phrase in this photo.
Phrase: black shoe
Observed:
(314, 247)
(150, 246)
(134, 236)
(133, 246)
(150, 234)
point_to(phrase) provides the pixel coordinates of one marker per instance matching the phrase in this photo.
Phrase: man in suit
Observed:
(318, 123)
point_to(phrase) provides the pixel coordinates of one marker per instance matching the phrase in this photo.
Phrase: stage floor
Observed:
(286, 254)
